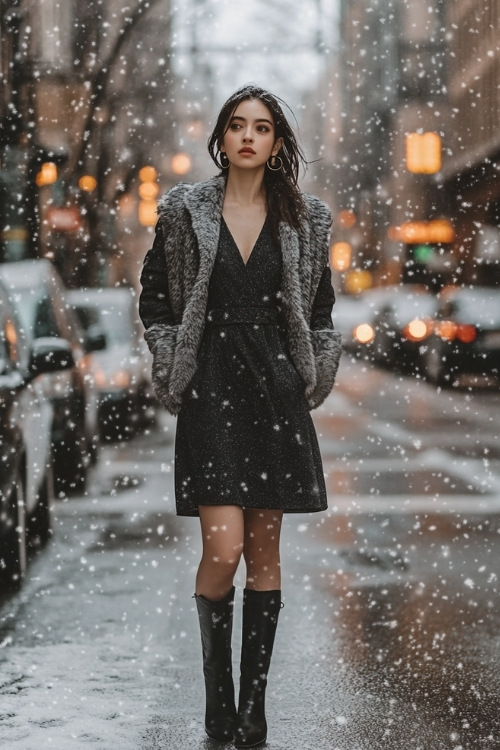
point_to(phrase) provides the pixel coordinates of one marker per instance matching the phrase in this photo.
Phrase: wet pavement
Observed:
(390, 634)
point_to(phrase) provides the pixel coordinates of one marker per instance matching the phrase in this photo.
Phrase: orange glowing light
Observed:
(47, 174)
(466, 333)
(347, 219)
(357, 280)
(416, 330)
(181, 163)
(446, 329)
(341, 253)
(148, 190)
(147, 213)
(148, 174)
(10, 333)
(87, 183)
(364, 333)
(440, 230)
(423, 153)
(422, 232)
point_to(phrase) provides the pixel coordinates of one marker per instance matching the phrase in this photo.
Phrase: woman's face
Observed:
(249, 139)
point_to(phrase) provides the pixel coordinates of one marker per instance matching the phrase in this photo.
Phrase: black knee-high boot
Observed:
(216, 626)
(260, 618)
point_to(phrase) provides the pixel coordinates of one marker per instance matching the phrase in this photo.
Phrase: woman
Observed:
(236, 303)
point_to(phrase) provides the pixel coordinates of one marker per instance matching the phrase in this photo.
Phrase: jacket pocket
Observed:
(162, 341)
(327, 346)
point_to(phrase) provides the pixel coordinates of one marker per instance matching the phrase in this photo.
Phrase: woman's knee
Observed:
(222, 534)
(223, 558)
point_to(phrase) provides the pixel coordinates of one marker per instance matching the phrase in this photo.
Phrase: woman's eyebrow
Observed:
(243, 119)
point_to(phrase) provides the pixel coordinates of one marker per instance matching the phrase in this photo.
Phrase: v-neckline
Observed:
(245, 263)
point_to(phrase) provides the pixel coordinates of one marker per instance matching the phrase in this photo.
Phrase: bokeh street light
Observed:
(148, 191)
(47, 175)
(423, 153)
(181, 163)
(340, 257)
(87, 183)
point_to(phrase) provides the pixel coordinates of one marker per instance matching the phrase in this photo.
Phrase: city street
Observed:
(390, 632)
(137, 160)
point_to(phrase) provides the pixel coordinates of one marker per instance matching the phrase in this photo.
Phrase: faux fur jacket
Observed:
(176, 276)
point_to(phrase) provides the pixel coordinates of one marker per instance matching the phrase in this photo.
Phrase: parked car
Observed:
(41, 305)
(354, 317)
(26, 415)
(465, 337)
(123, 378)
(402, 326)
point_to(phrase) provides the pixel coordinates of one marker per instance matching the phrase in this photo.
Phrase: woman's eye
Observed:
(235, 126)
(263, 129)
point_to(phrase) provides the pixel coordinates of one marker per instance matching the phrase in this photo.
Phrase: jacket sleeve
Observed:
(154, 305)
(157, 316)
(327, 343)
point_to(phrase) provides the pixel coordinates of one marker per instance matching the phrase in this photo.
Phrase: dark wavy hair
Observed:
(283, 196)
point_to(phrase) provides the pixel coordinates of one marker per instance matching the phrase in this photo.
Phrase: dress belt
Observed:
(224, 316)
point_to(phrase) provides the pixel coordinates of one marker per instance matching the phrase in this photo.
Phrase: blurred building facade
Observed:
(18, 143)
(394, 85)
(320, 119)
(86, 102)
(471, 165)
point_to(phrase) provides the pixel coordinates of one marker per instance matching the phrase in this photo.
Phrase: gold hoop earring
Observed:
(272, 165)
(224, 160)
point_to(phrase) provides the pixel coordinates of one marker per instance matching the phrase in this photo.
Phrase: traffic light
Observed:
(148, 191)
(418, 267)
(424, 242)
(422, 253)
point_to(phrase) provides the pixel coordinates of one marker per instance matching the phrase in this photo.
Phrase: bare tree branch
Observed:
(100, 82)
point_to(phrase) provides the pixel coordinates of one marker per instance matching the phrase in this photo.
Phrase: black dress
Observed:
(244, 433)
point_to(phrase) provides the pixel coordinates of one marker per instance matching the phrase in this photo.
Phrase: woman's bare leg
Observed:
(222, 529)
(261, 549)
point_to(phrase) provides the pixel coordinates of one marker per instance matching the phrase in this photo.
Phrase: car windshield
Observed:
(408, 306)
(36, 313)
(478, 306)
(349, 312)
(88, 316)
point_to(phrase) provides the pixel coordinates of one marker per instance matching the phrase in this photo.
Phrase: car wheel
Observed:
(13, 557)
(41, 521)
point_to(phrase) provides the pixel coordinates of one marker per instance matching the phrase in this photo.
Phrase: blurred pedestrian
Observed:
(236, 301)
